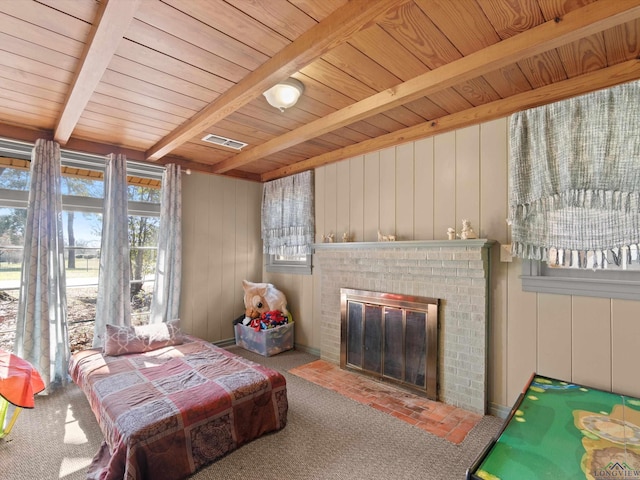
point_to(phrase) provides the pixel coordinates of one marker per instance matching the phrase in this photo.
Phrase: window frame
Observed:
(289, 266)
(602, 283)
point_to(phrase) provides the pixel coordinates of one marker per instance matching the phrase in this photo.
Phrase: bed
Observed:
(168, 412)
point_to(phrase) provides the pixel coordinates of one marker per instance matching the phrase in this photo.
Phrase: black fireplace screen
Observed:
(391, 337)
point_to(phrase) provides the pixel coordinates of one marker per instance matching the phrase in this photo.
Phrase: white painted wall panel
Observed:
(423, 213)
(221, 244)
(405, 184)
(444, 185)
(591, 348)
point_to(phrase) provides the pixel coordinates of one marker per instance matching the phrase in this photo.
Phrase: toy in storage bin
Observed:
(265, 342)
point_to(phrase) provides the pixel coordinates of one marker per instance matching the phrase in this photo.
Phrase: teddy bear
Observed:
(262, 297)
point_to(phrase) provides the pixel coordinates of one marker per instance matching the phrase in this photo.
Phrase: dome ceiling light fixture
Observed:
(284, 94)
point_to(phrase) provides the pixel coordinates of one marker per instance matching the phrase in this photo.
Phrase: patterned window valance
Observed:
(288, 224)
(575, 179)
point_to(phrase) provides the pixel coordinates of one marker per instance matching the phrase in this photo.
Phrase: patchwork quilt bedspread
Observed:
(169, 412)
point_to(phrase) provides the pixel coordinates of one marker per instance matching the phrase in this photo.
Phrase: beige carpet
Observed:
(328, 436)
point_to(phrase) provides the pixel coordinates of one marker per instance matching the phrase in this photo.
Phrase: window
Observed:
(83, 190)
(612, 282)
(295, 264)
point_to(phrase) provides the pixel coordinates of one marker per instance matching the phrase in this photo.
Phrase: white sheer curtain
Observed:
(41, 328)
(165, 304)
(113, 304)
(288, 224)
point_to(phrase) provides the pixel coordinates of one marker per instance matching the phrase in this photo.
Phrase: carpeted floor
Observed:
(328, 436)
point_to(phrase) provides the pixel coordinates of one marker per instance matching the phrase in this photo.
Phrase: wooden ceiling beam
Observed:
(589, 82)
(334, 30)
(110, 25)
(577, 24)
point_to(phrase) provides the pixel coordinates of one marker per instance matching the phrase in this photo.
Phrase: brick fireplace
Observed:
(456, 272)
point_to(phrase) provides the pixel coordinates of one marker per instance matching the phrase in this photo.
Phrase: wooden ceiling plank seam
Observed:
(589, 82)
(464, 23)
(175, 22)
(624, 40)
(318, 10)
(95, 110)
(585, 55)
(42, 54)
(82, 10)
(114, 18)
(329, 33)
(142, 110)
(33, 80)
(11, 85)
(147, 89)
(162, 79)
(147, 101)
(24, 64)
(574, 25)
(280, 16)
(188, 53)
(235, 23)
(138, 131)
(38, 35)
(150, 58)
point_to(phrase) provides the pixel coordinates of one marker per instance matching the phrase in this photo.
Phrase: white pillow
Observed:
(120, 340)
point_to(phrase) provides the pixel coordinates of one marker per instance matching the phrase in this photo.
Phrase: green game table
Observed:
(562, 431)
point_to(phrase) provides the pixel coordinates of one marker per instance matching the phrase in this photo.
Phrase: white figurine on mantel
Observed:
(451, 233)
(345, 237)
(467, 232)
(386, 238)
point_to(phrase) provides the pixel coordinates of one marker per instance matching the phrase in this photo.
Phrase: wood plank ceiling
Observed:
(150, 78)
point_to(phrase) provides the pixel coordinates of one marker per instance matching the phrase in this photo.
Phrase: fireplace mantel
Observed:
(475, 243)
(454, 271)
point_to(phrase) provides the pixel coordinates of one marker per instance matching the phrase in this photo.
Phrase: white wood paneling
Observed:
(444, 185)
(522, 334)
(591, 349)
(371, 196)
(625, 338)
(554, 336)
(467, 181)
(330, 200)
(387, 191)
(356, 199)
(343, 199)
(493, 213)
(319, 195)
(405, 186)
(423, 213)
(221, 244)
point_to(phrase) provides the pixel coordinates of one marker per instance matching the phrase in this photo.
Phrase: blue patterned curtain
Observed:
(165, 304)
(113, 304)
(288, 224)
(41, 328)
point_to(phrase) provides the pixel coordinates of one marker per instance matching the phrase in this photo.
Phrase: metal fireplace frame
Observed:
(428, 306)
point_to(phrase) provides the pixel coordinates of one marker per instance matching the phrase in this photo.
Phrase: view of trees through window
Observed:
(82, 223)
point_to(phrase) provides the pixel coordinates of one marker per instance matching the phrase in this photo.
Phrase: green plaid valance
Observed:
(574, 193)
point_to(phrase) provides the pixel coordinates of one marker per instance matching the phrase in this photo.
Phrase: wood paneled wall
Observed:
(417, 191)
(221, 246)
